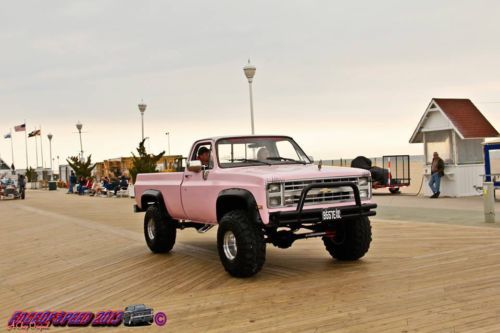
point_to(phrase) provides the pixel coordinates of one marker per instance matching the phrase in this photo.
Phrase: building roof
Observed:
(3, 165)
(465, 118)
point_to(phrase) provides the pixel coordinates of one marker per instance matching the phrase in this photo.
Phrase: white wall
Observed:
(436, 121)
(459, 180)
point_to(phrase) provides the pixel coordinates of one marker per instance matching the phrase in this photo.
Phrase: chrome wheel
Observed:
(151, 229)
(229, 245)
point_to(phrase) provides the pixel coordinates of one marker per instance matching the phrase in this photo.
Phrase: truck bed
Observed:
(168, 183)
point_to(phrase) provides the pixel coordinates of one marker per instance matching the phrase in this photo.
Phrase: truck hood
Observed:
(276, 173)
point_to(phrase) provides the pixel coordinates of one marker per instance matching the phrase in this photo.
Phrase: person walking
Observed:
(437, 171)
(72, 182)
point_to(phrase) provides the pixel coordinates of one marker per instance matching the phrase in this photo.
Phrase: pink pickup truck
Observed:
(258, 190)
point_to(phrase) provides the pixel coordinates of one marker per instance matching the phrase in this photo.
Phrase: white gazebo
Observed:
(455, 129)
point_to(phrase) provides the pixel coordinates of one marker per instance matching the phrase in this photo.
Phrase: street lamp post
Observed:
(79, 128)
(142, 108)
(168, 137)
(249, 71)
(50, 136)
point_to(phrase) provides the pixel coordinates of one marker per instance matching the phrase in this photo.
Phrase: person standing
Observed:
(437, 171)
(21, 183)
(72, 182)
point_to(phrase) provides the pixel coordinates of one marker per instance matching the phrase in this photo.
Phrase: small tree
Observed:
(31, 174)
(82, 168)
(145, 162)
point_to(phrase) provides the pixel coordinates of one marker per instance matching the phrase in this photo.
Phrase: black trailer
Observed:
(396, 173)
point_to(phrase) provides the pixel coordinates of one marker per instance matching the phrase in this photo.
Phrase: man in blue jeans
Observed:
(72, 182)
(437, 171)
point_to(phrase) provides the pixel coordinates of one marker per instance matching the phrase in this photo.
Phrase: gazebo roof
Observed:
(467, 120)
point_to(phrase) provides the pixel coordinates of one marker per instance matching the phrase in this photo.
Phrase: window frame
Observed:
(292, 141)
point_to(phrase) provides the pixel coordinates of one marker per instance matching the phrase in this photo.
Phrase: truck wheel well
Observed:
(229, 203)
(150, 198)
(233, 199)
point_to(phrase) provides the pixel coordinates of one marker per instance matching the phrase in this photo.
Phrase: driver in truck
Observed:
(204, 156)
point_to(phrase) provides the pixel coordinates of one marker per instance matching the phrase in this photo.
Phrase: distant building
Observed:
(116, 167)
(456, 129)
(4, 166)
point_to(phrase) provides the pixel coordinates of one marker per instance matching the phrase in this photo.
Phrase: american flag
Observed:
(34, 133)
(20, 128)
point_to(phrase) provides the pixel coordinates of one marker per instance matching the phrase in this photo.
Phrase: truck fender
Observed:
(153, 197)
(236, 198)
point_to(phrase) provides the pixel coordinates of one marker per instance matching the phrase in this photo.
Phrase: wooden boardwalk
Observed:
(64, 252)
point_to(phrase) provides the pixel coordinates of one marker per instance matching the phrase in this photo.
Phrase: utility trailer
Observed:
(395, 173)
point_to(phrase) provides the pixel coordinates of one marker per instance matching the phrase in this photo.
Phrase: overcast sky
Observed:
(345, 78)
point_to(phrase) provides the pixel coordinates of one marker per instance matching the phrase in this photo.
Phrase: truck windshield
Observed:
(245, 151)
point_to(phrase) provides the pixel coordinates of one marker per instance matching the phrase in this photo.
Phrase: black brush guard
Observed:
(314, 215)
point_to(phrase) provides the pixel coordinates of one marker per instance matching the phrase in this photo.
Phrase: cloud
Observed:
(328, 72)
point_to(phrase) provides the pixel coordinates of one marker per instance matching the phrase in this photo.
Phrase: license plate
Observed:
(331, 214)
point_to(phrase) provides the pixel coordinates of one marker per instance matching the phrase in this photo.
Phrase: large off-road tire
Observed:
(352, 239)
(159, 230)
(241, 244)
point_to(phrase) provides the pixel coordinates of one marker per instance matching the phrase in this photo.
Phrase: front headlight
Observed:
(364, 186)
(363, 181)
(274, 201)
(274, 188)
(274, 195)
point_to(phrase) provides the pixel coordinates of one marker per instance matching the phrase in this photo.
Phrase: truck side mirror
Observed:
(194, 166)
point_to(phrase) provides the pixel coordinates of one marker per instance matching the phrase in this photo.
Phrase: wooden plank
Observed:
(65, 252)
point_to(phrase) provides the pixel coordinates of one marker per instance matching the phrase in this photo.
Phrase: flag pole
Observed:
(12, 148)
(36, 151)
(41, 145)
(26, 143)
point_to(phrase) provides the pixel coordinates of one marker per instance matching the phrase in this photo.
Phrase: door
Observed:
(197, 193)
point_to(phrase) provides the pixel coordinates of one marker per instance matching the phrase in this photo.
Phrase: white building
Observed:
(455, 129)
(4, 169)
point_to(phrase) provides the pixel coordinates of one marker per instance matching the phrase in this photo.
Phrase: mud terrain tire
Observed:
(351, 241)
(159, 230)
(241, 244)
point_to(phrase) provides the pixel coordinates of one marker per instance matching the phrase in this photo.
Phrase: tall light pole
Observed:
(50, 136)
(142, 107)
(249, 71)
(168, 137)
(79, 128)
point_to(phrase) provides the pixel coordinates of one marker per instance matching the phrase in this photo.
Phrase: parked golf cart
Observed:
(9, 190)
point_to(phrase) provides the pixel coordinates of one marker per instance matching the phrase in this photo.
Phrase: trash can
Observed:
(489, 202)
(52, 186)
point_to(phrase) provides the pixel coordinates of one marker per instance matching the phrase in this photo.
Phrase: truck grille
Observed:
(293, 189)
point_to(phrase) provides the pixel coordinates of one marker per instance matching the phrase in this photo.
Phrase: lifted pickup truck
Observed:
(258, 190)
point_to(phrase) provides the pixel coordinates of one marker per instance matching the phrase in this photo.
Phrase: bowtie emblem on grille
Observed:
(325, 190)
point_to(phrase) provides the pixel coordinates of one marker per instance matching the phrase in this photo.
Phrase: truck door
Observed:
(196, 193)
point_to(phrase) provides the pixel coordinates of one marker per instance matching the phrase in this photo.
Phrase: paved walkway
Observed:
(407, 207)
(64, 252)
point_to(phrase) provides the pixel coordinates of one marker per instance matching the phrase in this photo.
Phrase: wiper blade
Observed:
(251, 161)
(279, 158)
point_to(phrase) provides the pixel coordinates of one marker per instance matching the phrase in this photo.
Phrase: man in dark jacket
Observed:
(72, 182)
(437, 171)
